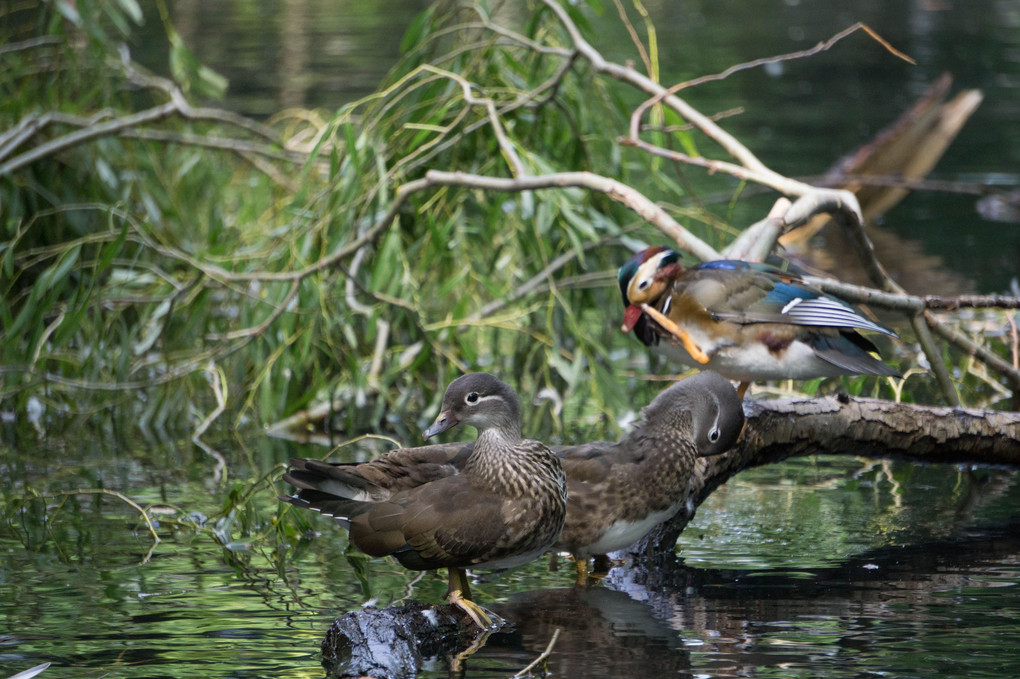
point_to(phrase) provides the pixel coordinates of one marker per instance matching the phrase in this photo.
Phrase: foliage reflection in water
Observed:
(855, 567)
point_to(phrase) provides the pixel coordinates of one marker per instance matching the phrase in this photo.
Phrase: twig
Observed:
(545, 654)
(632, 32)
(972, 348)
(31, 43)
(79, 136)
(820, 47)
(533, 282)
(940, 185)
(178, 105)
(931, 351)
(834, 199)
(509, 152)
(531, 99)
(645, 84)
(507, 33)
(241, 147)
(218, 383)
(255, 331)
(31, 672)
(853, 225)
(915, 306)
(910, 304)
(112, 493)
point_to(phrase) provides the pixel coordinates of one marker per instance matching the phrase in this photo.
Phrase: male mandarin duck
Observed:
(616, 492)
(744, 320)
(503, 508)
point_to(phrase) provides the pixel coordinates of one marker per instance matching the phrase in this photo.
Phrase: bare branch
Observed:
(911, 304)
(972, 348)
(80, 136)
(490, 107)
(178, 105)
(614, 189)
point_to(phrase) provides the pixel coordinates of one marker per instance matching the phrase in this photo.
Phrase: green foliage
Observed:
(157, 256)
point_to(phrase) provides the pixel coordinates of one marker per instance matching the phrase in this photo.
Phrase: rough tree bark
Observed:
(841, 425)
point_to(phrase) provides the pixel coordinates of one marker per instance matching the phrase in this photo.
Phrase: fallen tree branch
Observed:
(95, 126)
(841, 425)
(618, 191)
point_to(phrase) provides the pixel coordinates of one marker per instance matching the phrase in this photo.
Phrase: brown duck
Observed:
(616, 492)
(505, 507)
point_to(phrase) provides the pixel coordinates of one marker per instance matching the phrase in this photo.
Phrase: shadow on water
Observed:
(891, 610)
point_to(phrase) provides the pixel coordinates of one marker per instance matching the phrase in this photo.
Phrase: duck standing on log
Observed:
(618, 492)
(504, 508)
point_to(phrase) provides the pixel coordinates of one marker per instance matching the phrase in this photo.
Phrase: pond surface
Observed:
(836, 567)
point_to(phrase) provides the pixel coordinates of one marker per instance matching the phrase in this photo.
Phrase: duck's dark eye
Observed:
(713, 435)
(472, 398)
(644, 284)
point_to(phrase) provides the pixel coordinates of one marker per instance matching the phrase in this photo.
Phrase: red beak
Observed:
(631, 315)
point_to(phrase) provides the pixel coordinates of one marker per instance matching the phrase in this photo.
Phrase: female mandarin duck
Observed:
(744, 320)
(503, 508)
(616, 492)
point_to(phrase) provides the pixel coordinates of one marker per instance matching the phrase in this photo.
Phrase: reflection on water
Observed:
(602, 632)
(286, 53)
(811, 568)
(894, 610)
(897, 611)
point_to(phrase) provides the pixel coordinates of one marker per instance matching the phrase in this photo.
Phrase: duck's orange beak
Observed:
(631, 315)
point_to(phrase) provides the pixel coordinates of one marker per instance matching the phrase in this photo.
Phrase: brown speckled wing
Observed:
(377, 480)
(446, 523)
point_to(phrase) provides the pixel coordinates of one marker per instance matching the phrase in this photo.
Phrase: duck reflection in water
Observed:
(601, 632)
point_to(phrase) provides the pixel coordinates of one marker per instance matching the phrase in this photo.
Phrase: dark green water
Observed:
(839, 567)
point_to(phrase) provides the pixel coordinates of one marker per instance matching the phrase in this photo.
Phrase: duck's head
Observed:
(644, 278)
(703, 409)
(480, 400)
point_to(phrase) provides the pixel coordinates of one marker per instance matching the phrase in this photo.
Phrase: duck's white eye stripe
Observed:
(478, 398)
(793, 302)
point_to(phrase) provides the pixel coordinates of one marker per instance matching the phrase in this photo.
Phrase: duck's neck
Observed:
(495, 464)
(498, 439)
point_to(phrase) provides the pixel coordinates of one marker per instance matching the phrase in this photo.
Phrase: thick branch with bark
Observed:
(841, 425)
